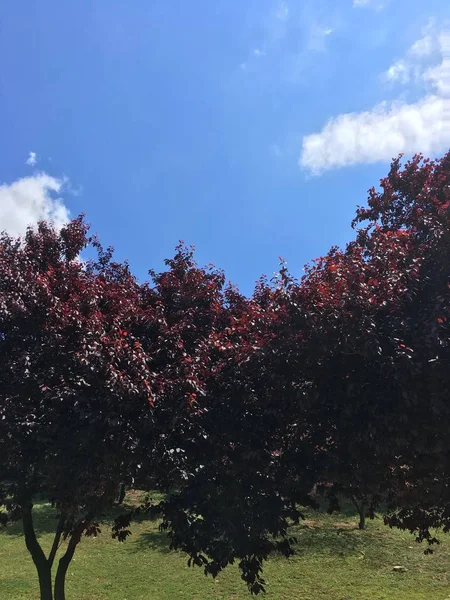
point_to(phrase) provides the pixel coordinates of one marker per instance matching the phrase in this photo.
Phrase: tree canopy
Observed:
(236, 408)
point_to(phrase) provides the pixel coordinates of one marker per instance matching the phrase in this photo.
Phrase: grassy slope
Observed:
(334, 561)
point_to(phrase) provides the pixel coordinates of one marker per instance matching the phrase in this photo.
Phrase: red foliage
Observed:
(235, 406)
(72, 380)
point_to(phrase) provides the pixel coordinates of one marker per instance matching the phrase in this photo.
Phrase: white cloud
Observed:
(413, 66)
(399, 71)
(32, 159)
(257, 52)
(390, 127)
(424, 46)
(29, 200)
(379, 134)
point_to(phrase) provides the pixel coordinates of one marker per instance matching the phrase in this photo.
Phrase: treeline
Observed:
(237, 408)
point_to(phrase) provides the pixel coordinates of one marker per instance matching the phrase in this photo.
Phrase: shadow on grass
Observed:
(319, 534)
(325, 540)
(46, 520)
(157, 541)
(346, 508)
(330, 539)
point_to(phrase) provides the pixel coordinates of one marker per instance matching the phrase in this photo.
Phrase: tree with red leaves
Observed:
(350, 343)
(74, 387)
(105, 380)
(310, 381)
(414, 206)
(378, 348)
(227, 448)
(234, 407)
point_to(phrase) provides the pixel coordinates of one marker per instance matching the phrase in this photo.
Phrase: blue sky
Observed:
(249, 128)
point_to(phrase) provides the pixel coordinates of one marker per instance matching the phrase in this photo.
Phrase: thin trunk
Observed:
(362, 509)
(60, 579)
(56, 541)
(41, 563)
(121, 493)
(362, 518)
(64, 562)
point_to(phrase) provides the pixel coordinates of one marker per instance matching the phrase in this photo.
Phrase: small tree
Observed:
(74, 384)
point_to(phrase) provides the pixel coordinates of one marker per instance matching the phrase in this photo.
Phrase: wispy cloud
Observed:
(276, 150)
(282, 12)
(317, 36)
(418, 57)
(29, 200)
(376, 4)
(32, 159)
(390, 127)
(289, 37)
(399, 71)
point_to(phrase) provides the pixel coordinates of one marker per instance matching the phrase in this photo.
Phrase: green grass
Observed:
(334, 561)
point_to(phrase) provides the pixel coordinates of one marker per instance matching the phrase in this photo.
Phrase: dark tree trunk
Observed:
(121, 493)
(43, 566)
(60, 579)
(42, 563)
(362, 519)
(45, 582)
(64, 562)
(361, 507)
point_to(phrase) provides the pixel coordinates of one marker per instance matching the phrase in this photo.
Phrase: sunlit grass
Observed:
(334, 561)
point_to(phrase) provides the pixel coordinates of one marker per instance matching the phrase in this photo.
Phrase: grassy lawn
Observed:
(334, 561)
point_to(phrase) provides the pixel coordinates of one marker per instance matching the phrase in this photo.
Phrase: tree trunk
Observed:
(60, 579)
(362, 509)
(121, 493)
(45, 581)
(42, 563)
(43, 566)
(64, 562)
(362, 518)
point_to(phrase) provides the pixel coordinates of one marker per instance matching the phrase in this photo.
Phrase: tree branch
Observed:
(56, 541)
(76, 537)
(33, 546)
